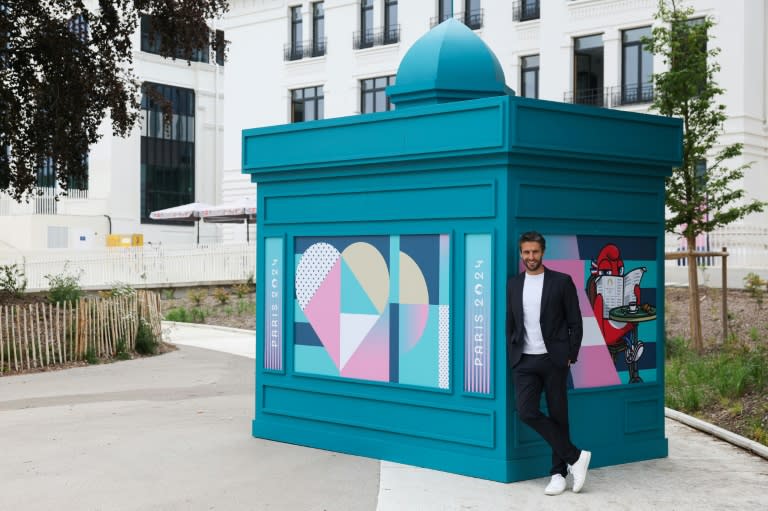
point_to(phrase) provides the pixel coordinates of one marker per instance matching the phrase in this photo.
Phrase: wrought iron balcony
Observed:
(472, 19)
(436, 20)
(594, 97)
(612, 97)
(305, 51)
(379, 37)
(631, 94)
(526, 10)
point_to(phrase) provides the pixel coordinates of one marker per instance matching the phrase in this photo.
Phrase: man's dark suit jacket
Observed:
(561, 323)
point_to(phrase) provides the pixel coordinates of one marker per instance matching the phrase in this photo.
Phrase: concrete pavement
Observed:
(173, 433)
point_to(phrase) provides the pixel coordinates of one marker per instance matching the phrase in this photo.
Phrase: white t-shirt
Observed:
(534, 339)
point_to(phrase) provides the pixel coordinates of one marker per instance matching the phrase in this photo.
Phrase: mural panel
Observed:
(373, 308)
(478, 280)
(616, 281)
(273, 303)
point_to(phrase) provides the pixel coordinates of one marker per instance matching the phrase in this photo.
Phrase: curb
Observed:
(718, 432)
(172, 324)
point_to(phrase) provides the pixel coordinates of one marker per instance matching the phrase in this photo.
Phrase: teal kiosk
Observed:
(384, 246)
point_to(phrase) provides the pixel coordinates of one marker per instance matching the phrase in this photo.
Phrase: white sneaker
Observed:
(556, 485)
(579, 470)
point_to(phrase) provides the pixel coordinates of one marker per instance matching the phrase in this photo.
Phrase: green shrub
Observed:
(64, 286)
(146, 344)
(221, 295)
(242, 289)
(197, 315)
(12, 280)
(121, 289)
(754, 285)
(179, 314)
(183, 315)
(197, 296)
(246, 307)
(90, 356)
(676, 347)
(121, 350)
(168, 293)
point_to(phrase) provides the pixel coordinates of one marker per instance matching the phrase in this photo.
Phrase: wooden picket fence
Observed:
(41, 335)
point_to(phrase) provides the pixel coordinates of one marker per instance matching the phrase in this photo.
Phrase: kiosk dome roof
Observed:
(448, 63)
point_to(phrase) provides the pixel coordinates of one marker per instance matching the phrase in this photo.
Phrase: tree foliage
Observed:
(699, 198)
(66, 66)
(701, 194)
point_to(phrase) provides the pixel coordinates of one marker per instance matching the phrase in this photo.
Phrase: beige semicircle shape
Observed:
(413, 287)
(370, 269)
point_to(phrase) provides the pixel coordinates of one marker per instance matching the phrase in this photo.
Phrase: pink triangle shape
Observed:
(324, 312)
(595, 368)
(371, 359)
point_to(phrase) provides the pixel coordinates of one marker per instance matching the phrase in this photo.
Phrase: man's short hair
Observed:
(532, 236)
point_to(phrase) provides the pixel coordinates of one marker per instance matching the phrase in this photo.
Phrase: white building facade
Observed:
(156, 166)
(294, 60)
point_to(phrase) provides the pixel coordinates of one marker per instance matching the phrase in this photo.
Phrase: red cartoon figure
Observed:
(615, 297)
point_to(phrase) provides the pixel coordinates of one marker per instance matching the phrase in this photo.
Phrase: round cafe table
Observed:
(634, 345)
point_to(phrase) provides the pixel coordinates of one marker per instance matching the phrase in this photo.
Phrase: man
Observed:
(544, 330)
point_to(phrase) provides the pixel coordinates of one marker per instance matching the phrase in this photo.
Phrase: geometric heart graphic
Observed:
(373, 308)
(343, 295)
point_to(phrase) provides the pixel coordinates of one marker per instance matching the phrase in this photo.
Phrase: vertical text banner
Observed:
(478, 326)
(273, 304)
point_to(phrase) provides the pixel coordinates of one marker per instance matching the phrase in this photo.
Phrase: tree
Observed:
(65, 68)
(700, 194)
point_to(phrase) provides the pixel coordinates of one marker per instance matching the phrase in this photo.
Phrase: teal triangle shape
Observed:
(354, 299)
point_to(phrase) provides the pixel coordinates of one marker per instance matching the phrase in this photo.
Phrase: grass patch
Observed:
(184, 315)
(721, 380)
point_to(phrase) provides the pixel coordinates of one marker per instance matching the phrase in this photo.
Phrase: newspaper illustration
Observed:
(619, 290)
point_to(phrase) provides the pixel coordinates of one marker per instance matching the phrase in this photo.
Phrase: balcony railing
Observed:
(594, 97)
(305, 51)
(631, 94)
(611, 97)
(379, 37)
(472, 19)
(436, 20)
(526, 10)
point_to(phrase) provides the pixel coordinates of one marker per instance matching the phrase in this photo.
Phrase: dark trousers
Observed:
(533, 374)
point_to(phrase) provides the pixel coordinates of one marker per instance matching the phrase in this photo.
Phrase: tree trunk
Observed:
(694, 311)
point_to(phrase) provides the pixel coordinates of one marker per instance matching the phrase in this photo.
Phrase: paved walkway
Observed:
(172, 433)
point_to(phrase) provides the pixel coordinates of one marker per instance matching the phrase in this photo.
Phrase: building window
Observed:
(366, 23)
(637, 67)
(307, 104)
(79, 27)
(529, 76)
(391, 29)
(220, 45)
(297, 28)
(373, 96)
(46, 174)
(588, 70)
(444, 10)
(368, 36)
(525, 10)
(167, 147)
(151, 42)
(318, 29)
(473, 14)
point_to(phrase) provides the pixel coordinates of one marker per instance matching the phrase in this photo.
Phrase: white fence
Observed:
(149, 266)
(45, 202)
(747, 247)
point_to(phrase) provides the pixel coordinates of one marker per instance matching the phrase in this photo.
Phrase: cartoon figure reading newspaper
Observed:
(615, 299)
